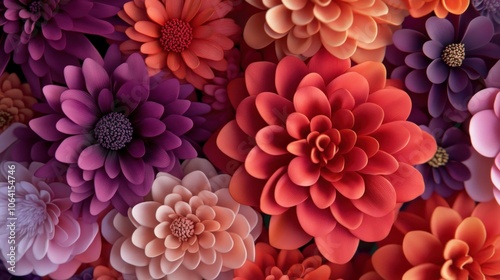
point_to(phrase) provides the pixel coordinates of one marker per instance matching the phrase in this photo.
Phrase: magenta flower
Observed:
(115, 128)
(49, 239)
(44, 36)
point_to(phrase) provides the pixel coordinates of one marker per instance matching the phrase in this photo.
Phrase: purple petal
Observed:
(38, 67)
(168, 140)
(165, 91)
(438, 71)
(482, 100)
(60, 44)
(131, 94)
(79, 113)
(97, 206)
(71, 147)
(408, 40)
(458, 171)
(36, 47)
(132, 168)
(45, 127)
(437, 100)
(105, 188)
(459, 152)
(460, 99)
(66, 126)
(112, 58)
(478, 33)
(96, 78)
(433, 49)
(51, 31)
(80, 47)
(185, 151)
(112, 165)
(478, 67)
(74, 77)
(150, 127)
(157, 157)
(417, 81)
(458, 80)
(149, 110)
(177, 107)
(145, 187)
(136, 148)
(178, 124)
(92, 157)
(91, 25)
(440, 30)
(416, 60)
(106, 101)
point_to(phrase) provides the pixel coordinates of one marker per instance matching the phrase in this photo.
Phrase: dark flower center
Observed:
(35, 6)
(323, 147)
(31, 215)
(453, 55)
(440, 158)
(5, 119)
(176, 35)
(182, 228)
(113, 131)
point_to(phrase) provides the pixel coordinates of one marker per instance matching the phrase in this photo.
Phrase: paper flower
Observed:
(284, 264)
(456, 241)
(420, 8)
(15, 101)
(445, 173)
(490, 9)
(323, 148)
(187, 38)
(116, 127)
(49, 239)
(483, 129)
(46, 36)
(446, 59)
(356, 29)
(191, 229)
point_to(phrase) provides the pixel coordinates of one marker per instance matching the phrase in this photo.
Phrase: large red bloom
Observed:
(324, 148)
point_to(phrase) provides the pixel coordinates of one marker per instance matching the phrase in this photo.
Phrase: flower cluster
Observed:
(249, 139)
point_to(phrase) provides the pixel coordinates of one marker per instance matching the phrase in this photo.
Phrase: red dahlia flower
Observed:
(324, 148)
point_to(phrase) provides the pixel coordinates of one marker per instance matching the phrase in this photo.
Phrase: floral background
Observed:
(256, 139)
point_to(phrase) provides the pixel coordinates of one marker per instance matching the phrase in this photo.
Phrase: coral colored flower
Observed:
(49, 239)
(324, 148)
(15, 101)
(115, 127)
(44, 36)
(420, 8)
(483, 129)
(187, 38)
(271, 263)
(347, 29)
(191, 229)
(446, 173)
(446, 61)
(489, 8)
(452, 241)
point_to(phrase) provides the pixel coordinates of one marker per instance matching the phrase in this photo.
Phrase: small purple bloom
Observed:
(115, 128)
(489, 8)
(447, 61)
(44, 36)
(445, 173)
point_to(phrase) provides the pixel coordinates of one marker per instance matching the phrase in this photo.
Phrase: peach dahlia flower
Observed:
(191, 229)
(441, 240)
(346, 28)
(420, 8)
(185, 37)
(15, 101)
(324, 148)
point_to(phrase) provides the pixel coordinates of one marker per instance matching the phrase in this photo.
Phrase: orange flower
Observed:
(15, 101)
(459, 241)
(420, 8)
(324, 148)
(356, 29)
(186, 37)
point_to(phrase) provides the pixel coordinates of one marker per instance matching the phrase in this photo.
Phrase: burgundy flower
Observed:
(115, 127)
(44, 36)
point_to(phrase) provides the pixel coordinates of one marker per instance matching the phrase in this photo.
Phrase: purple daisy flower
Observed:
(447, 61)
(489, 8)
(445, 173)
(43, 36)
(116, 127)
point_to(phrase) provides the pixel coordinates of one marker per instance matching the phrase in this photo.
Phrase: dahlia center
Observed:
(453, 55)
(5, 119)
(323, 147)
(35, 6)
(176, 35)
(182, 228)
(440, 158)
(31, 215)
(113, 131)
